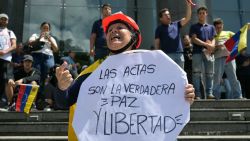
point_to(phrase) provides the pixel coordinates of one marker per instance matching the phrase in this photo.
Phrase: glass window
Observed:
(71, 20)
(44, 2)
(82, 3)
(78, 25)
(79, 17)
(37, 12)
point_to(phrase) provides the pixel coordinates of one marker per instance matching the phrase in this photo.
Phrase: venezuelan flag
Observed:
(26, 96)
(237, 43)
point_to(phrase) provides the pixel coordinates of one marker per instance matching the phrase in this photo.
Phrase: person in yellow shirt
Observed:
(220, 65)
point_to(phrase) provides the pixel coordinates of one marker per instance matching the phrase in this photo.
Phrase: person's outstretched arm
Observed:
(187, 18)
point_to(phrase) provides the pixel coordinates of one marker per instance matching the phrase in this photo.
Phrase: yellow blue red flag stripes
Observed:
(237, 43)
(26, 96)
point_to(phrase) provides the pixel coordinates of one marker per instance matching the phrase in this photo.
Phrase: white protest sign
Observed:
(133, 96)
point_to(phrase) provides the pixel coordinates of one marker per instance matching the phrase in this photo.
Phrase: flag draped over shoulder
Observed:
(26, 96)
(237, 43)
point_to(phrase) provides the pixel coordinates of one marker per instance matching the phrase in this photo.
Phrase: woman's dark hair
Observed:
(47, 24)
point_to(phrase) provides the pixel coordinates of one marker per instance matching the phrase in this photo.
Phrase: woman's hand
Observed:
(11, 82)
(191, 2)
(42, 35)
(45, 35)
(64, 77)
(189, 93)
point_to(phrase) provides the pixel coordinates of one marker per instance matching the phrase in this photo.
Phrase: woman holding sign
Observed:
(122, 34)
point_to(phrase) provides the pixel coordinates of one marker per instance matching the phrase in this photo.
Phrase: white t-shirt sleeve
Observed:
(33, 37)
(12, 35)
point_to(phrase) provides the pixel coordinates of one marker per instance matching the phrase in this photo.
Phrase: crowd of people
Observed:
(200, 54)
(30, 63)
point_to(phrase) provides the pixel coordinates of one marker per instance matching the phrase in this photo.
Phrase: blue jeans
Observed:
(178, 58)
(220, 67)
(43, 63)
(200, 61)
(228, 88)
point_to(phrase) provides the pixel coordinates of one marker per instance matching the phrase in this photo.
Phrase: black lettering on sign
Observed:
(134, 123)
(151, 68)
(171, 88)
(131, 124)
(152, 122)
(139, 69)
(140, 120)
(97, 90)
(97, 119)
(143, 69)
(106, 123)
(158, 125)
(107, 74)
(120, 122)
(116, 89)
(159, 89)
(124, 101)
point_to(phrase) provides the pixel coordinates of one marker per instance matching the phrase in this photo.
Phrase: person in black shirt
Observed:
(188, 49)
(243, 72)
(25, 75)
(98, 45)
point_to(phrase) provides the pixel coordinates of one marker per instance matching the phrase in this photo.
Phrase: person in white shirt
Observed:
(43, 57)
(7, 45)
